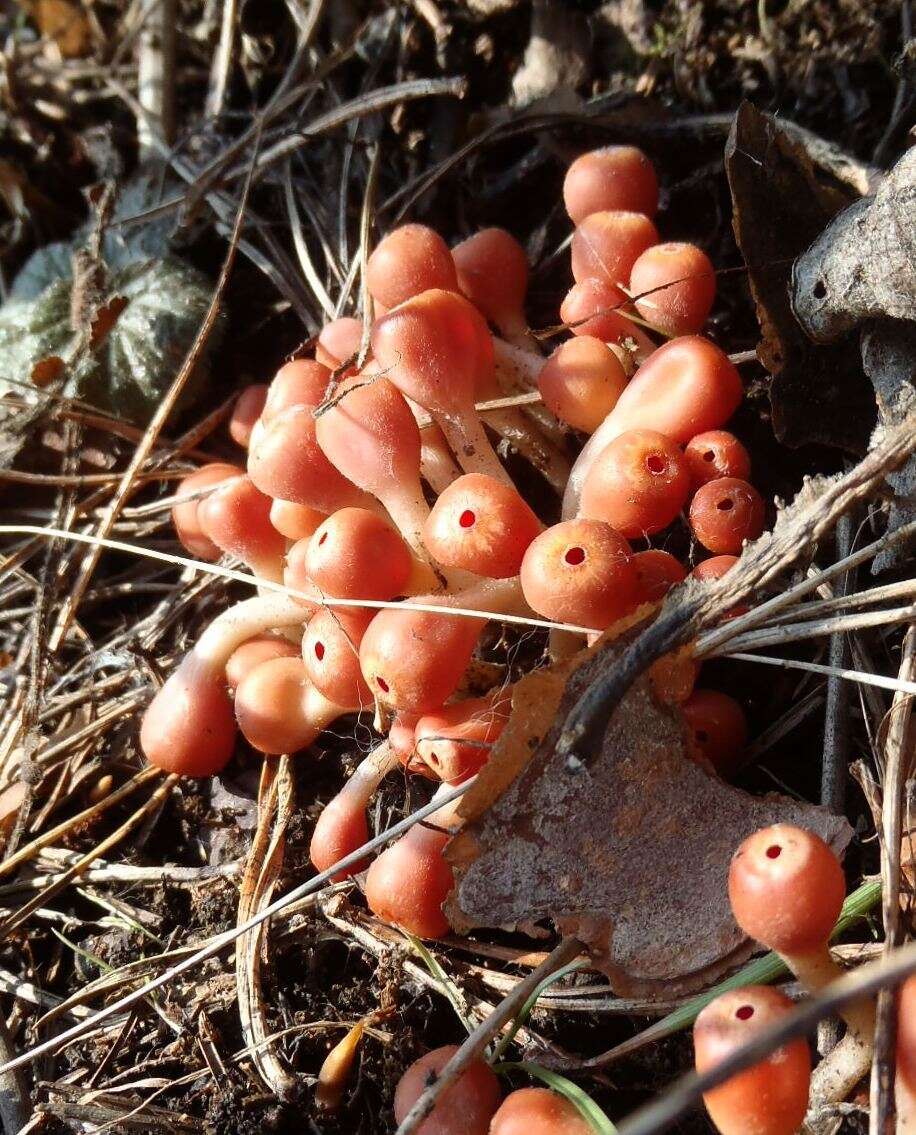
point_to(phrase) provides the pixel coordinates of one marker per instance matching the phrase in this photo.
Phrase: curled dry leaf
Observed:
(630, 856)
(861, 272)
(780, 206)
(863, 265)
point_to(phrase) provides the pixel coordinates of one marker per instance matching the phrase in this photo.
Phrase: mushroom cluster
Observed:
(376, 493)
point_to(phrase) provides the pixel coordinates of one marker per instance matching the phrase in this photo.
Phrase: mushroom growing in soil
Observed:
(769, 1098)
(787, 888)
(464, 1108)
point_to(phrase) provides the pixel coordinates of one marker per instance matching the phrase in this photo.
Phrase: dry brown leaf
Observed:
(861, 272)
(780, 207)
(629, 855)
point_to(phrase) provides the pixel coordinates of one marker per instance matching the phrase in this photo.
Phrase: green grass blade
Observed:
(525, 1012)
(449, 988)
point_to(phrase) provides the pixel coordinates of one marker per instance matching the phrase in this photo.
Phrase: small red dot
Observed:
(382, 685)
(319, 650)
(467, 519)
(774, 851)
(745, 1012)
(655, 463)
(575, 556)
(322, 538)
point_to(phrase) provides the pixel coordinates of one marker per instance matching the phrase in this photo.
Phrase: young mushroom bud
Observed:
(279, 710)
(539, 1111)
(408, 883)
(356, 554)
(480, 525)
(371, 435)
(581, 572)
(492, 270)
(252, 653)
(725, 513)
(454, 742)
(286, 461)
(606, 245)
(714, 454)
(330, 651)
(189, 726)
(638, 484)
(581, 382)
(719, 729)
(685, 387)
(342, 826)
(245, 413)
(786, 889)
(464, 1108)
(186, 514)
(338, 341)
(657, 572)
(906, 1057)
(436, 348)
(294, 521)
(598, 309)
(416, 659)
(713, 568)
(353, 554)
(769, 1098)
(302, 382)
(674, 286)
(707, 571)
(236, 517)
(614, 177)
(410, 260)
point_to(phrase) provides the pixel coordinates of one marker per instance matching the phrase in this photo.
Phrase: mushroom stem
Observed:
(517, 372)
(243, 621)
(342, 826)
(815, 971)
(470, 444)
(844, 1066)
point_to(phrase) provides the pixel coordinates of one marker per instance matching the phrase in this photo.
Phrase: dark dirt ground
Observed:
(667, 75)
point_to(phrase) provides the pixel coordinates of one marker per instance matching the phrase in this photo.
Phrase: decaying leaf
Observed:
(863, 265)
(861, 271)
(781, 206)
(630, 855)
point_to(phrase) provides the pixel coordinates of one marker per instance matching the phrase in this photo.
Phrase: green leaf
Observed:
(583, 1102)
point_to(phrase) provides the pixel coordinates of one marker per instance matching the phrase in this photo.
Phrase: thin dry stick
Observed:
(834, 760)
(895, 684)
(897, 767)
(222, 62)
(477, 1041)
(46, 838)
(281, 589)
(63, 880)
(15, 1101)
(219, 941)
(153, 431)
(276, 801)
